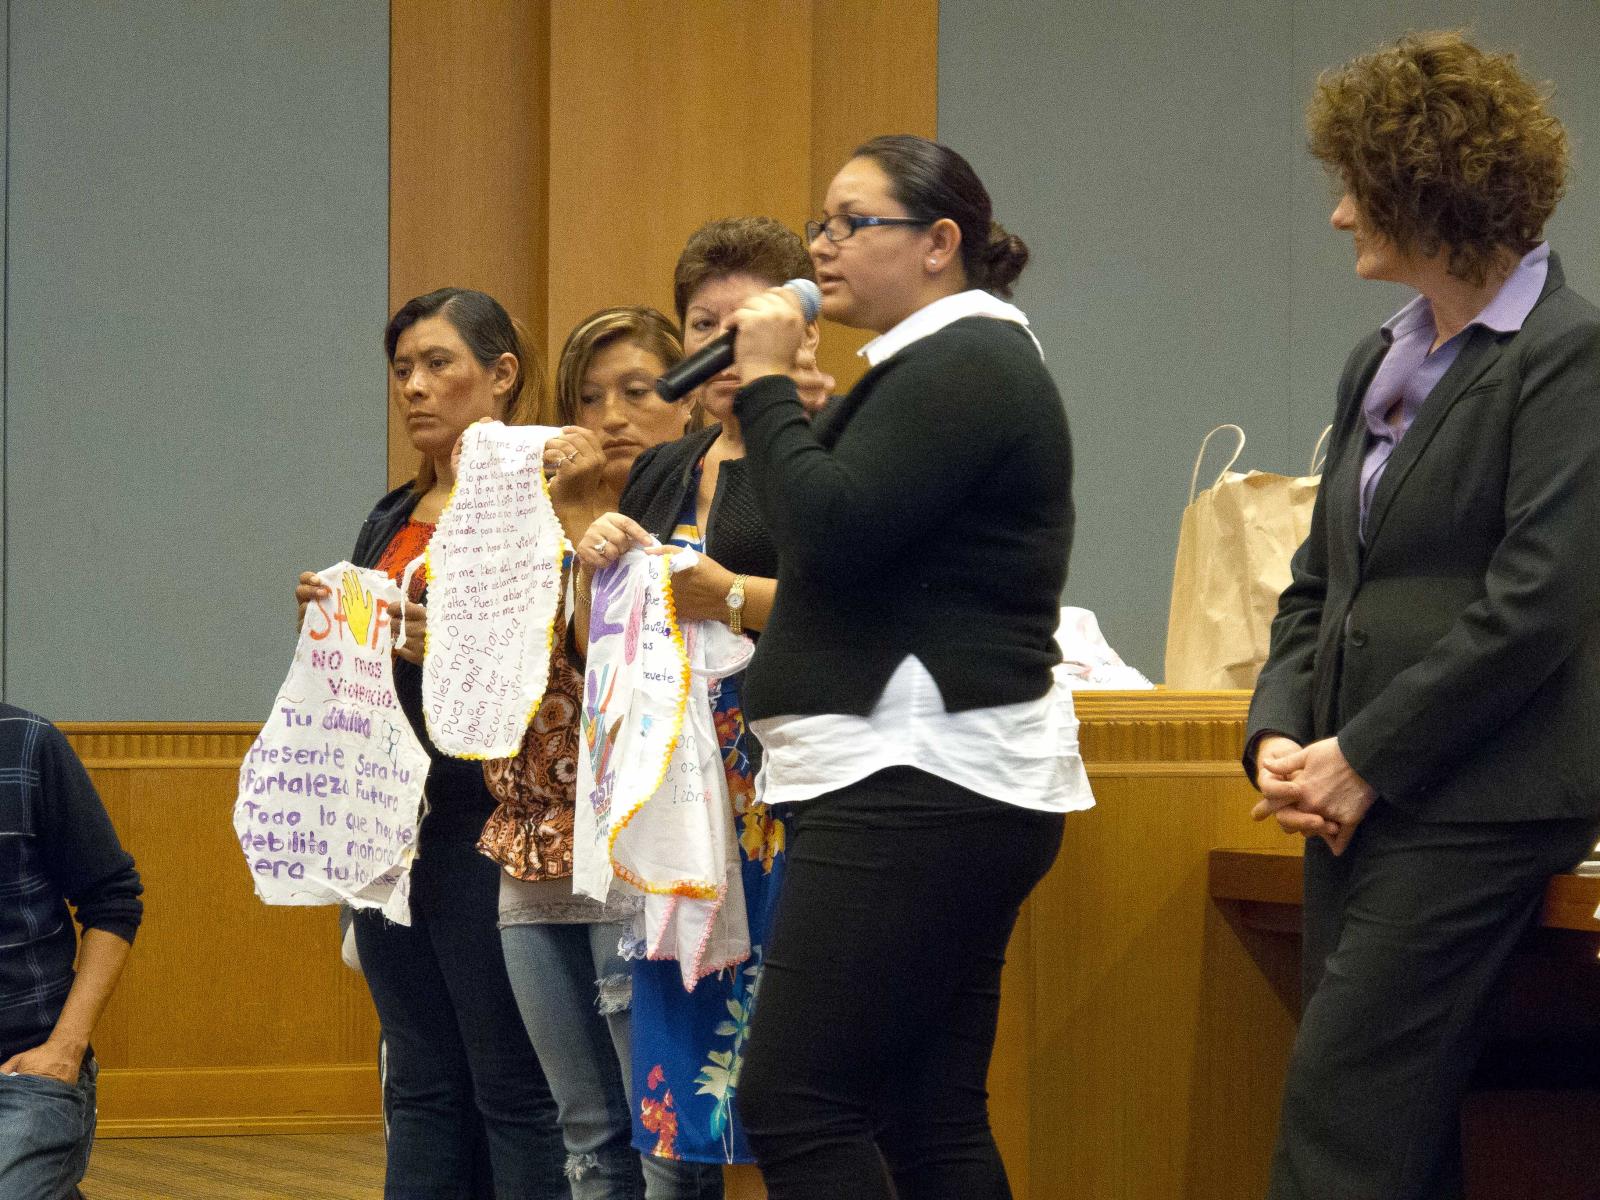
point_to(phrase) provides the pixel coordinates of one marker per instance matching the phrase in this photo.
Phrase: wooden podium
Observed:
(1531, 1125)
(1145, 1025)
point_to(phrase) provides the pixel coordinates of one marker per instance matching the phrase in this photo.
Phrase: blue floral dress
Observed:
(688, 1046)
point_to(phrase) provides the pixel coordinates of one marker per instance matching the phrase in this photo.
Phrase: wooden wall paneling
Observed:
(326, 1098)
(468, 124)
(663, 118)
(264, 988)
(874, 69)
(1146, 1013)
(231, 1016)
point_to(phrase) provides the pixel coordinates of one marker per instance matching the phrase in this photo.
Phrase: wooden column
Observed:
(874, 70)
(468, 130)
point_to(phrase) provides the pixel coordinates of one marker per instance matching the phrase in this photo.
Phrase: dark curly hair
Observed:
(757, 246)
(1442, 146)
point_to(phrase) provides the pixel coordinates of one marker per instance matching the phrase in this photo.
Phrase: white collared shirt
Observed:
(1024, 754)
(931, 318)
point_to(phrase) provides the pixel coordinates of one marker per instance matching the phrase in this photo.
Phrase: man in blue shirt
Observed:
(57, 846)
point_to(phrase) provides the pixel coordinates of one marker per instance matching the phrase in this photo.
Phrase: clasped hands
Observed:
(1310, 790)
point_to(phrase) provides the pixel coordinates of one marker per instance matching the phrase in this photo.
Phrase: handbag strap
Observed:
(1319, 452)
(1194, 477)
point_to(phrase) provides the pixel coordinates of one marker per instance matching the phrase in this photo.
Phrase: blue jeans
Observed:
(458, 1060)
(46, 1132)
(575, 994)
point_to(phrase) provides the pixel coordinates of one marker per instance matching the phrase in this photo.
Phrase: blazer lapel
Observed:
(1340, 497)
(1343, 485)
(1477, 356)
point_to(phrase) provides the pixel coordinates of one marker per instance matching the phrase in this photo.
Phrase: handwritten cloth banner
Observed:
(653, 809)
(692, 809)
(331, 791)
(494, 584)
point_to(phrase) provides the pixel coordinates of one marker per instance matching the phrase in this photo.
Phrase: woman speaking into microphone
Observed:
(902, 688)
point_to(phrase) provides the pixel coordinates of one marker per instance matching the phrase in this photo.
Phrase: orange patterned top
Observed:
(530, 833)
(410, 540)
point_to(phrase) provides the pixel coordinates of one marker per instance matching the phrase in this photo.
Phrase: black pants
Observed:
(1406, 936)
(461, 1073)
(877, 1010)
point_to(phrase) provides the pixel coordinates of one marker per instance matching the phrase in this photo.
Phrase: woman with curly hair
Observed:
(1425, 716)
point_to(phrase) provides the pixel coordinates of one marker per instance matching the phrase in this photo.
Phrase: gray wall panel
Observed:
(1184, 273)
(5, 42)
(198, 261)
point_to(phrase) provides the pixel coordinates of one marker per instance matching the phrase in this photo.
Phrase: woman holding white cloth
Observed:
(902, 688)
(688, 1047)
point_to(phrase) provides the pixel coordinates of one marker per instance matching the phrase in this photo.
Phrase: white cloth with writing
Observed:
(330, 793)
(653, 812)
(494, 586)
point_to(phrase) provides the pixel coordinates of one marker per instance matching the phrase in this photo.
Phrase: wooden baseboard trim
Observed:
(206, 1101)
(236, 1126)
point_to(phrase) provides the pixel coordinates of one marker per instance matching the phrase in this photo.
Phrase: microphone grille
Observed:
(809, 295)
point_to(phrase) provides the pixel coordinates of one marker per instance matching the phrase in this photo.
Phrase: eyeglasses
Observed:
(842, 225)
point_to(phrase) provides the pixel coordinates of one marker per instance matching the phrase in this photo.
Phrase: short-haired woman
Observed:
(902, 690)
(1425, 718)
(457, 1060)
(688, 1048)
(561, 949)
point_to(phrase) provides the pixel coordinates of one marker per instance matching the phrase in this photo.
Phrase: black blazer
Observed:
(1457, 654)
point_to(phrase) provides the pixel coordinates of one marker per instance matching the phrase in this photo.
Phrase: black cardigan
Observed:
(736, 537)
(658, 487)
(928, 513)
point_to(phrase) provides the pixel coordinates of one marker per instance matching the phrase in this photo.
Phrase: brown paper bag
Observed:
(1234, 547)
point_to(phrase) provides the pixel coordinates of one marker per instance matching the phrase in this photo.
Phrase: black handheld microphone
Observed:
(717, 356)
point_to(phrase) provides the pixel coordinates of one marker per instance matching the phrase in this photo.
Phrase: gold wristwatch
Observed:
(735, 601)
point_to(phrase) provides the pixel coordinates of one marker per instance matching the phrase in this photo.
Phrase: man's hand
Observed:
(1312, 790)
(53, 1060)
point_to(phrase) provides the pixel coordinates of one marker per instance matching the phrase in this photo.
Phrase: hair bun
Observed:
(1003, 260)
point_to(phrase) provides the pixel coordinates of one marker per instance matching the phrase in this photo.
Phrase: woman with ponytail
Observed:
(461, 1082)
(902, 688)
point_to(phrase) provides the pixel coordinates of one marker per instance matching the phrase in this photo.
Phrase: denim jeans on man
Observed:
(46, 1132)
